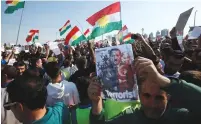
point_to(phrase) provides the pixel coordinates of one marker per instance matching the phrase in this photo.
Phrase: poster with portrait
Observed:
(115, 70)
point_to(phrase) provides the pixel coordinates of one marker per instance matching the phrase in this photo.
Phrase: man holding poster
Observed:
(154, 91)
(115, 72)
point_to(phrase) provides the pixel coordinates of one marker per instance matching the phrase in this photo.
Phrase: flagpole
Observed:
(19, 25)
(120, 15)
(81, 27)
(121, 23)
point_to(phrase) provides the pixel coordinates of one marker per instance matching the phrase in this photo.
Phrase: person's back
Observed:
(62, 92)
(56, 114)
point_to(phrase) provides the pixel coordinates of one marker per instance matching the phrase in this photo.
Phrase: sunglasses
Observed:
(8, 105)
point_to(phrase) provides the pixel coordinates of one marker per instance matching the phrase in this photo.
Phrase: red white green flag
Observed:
(13, 5)
(66, 26)
(74, 37)
(127, 37)
(106, 20)
(122, 33)
(87, 33)
(33, 35)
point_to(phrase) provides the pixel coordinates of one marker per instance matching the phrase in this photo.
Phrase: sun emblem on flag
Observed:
(102, 22)
(74, 37)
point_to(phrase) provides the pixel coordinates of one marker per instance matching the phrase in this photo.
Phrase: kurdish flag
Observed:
(127, 38)
(65, 28)
(35, 37)
(106, 20)
(87, 33)
(14, 5)
(32, 36)
(74, 37)
(124, 30)
(122, 33)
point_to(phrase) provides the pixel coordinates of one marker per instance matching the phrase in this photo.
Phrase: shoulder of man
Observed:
(127, 113)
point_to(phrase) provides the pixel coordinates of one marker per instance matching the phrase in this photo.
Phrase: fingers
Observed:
(143, 65)
(142, 68)
(93, 74)
(94, 89)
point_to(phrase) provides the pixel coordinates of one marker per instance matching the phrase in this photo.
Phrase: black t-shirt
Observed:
(81, 80)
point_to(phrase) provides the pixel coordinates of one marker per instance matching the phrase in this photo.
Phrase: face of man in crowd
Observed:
(153, 99)
(39, 49)
(173, 64)
(115, 57)
(21, 69)
(39, 63)
(192, 44)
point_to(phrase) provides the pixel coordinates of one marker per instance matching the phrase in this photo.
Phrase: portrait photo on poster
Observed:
(116, 74)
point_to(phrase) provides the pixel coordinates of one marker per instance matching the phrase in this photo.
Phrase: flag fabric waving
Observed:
(13, 5)
(74, 37)
(122, 33)
(124, 30)
(87, 33)
(33, 35)
(106, 20)
(66, 26)
(127, 39)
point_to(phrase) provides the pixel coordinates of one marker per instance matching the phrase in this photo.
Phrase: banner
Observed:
(195, 33)
(183, 18)
(114, 69)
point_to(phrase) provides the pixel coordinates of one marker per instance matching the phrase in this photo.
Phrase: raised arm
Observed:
(91, 52)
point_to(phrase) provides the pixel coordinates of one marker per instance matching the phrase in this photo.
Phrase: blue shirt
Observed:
(3, 62)
(57, 114)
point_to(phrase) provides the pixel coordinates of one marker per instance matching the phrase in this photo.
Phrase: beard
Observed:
(153, 113)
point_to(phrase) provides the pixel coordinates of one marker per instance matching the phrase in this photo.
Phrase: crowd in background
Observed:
(40, 87)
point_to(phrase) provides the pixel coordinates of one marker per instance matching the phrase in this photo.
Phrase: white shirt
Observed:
(62, 92)
(71, 70)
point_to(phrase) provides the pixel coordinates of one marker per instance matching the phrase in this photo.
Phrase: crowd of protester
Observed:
(43, 88)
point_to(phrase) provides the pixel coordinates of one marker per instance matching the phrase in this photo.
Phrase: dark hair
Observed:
(28, 90)
(33, 61)
(114, 49)
(10, 71)
(191, 76)
(140, 80)
(32, 72)
(81, 62)
(19, 63)
(3, 54)
(53, 70)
